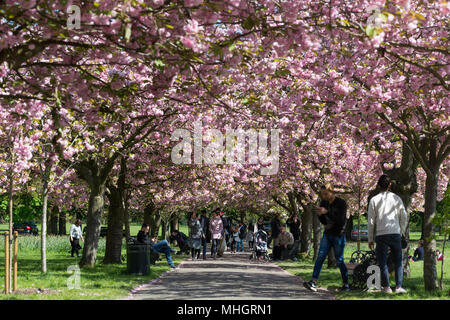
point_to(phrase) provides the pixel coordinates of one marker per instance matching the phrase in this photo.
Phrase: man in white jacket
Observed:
(387, 215)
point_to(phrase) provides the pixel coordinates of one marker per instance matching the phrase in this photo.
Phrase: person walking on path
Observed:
(242, 236)
(75, 235)
(204, 221)
(276, 229)
(234, 237)
(195, 235)
(388, 219)
(332, 213)
(216, 229)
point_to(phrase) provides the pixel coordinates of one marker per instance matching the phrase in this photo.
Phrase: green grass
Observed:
(134, 228)
(100, 282)
(330, 278)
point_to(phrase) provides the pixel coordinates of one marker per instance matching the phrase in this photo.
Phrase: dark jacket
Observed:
(142, 237)
(180, 238)
(260, 226)
(276, 226)
(336, 218)
(294, 228)
(204, 221)
(419, 254)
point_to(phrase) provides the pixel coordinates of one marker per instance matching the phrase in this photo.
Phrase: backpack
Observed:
(243, 231)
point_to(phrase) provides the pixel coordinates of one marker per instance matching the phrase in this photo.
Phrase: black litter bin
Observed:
(138, 258)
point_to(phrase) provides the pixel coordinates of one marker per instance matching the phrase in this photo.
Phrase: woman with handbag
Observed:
(75, 235)
(216, 228)
(195, 235)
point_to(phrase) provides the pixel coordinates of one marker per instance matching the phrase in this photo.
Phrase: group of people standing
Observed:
(387, 221)
(219, 230)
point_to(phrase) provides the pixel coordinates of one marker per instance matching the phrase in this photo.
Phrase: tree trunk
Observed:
(10, 226)
(149, 211)
(62, 220)
(126, 218)
(164, 229)
(405, 185)
(429, 264)
(93, 224)
(174, 223)
(307, 222)
(293, 203)
(349, 228)
(44, 228)
(156, 223)
(243, 216)
(53, 223)
(317, 230)
(422, 225)
(114, 236)
(332, 263)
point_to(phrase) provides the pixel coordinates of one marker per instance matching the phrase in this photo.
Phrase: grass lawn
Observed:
(100, 282)
(134, 228)
(331, 278)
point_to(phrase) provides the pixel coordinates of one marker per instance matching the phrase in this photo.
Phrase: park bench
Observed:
(357, 267)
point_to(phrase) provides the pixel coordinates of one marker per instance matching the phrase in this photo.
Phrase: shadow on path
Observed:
(232, 277)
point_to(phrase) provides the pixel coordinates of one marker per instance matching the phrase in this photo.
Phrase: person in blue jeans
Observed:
(160, 247)
(204, 221)
(242, 235)
(332, 213)
(387, 222)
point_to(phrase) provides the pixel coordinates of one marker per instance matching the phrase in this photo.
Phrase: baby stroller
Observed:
(260, 246)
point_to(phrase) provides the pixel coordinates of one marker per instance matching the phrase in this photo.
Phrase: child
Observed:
(439, 256)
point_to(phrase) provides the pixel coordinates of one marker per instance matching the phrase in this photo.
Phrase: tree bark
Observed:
(243, 216)
(114, 236)
(93, 224)
(149, 212)
(317, 232)
(156, 223)
(293, 203)
(174, 223)
(307, 222)
(53, 223)
(62, 220)
(429, 264)
(164, 229)
(44, 229)
(126, 215)
(331, 260)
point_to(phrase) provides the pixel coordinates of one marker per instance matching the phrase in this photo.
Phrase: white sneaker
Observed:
(400, 290)
(387, 290)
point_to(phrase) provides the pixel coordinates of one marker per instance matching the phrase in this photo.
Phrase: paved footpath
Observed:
(233, 276)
